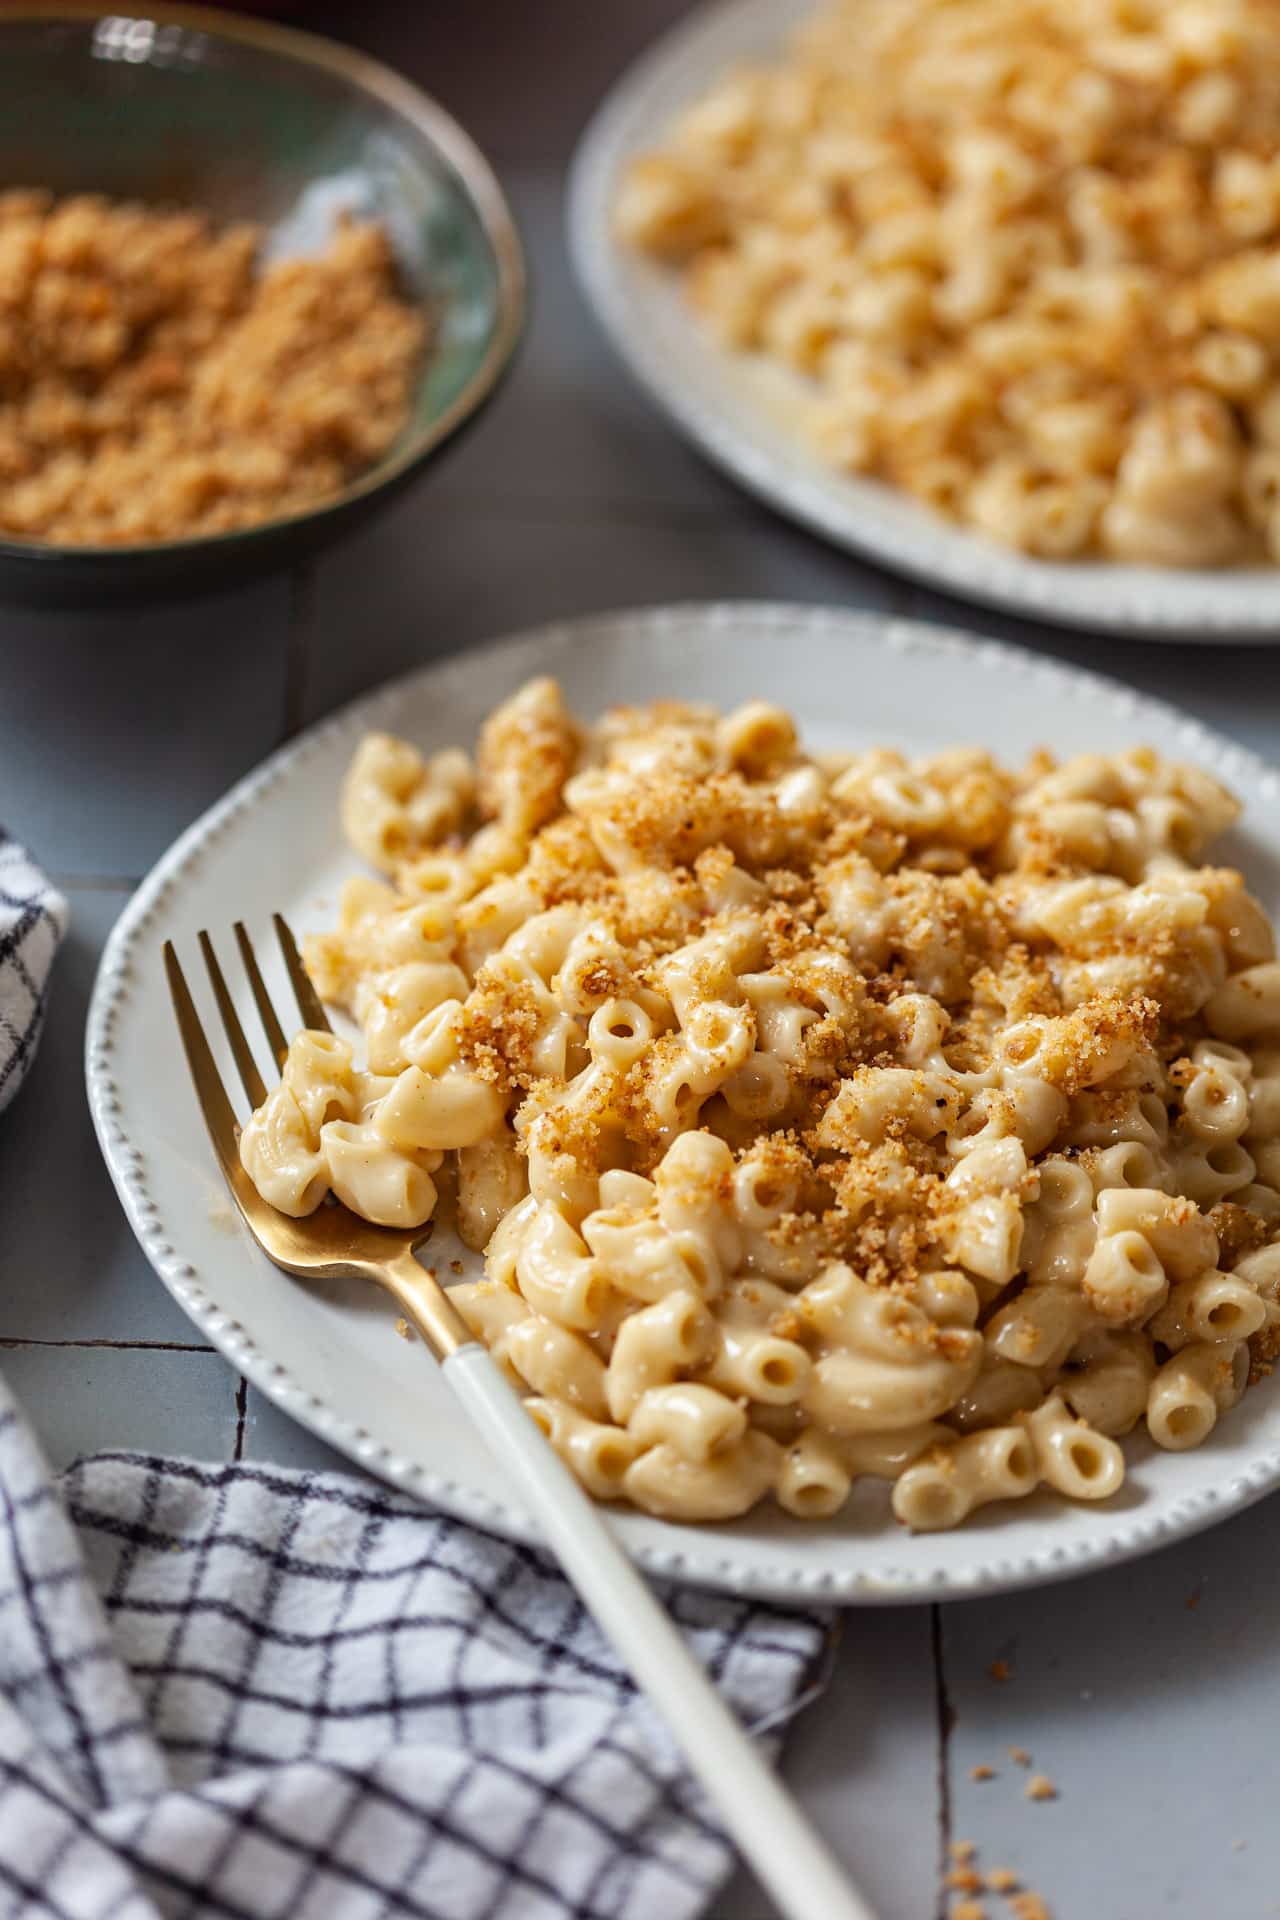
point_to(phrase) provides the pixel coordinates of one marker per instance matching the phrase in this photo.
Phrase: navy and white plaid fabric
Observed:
(33, 918)
(233, 1692)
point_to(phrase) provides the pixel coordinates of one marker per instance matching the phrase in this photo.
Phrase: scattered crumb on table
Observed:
(1193, 1600)
(1023, 1905)
(983, 1772)
(1000, 1670)
(1020, 1756)
(456, 1266)
(405, 1331)
(1040, 1787)
(964, 1880)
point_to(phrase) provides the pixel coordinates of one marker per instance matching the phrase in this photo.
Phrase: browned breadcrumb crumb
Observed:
(968, 1910)
(405, 1331)
(1085, 1037)
(456, 1266)
(1040, 1787)
(983, 1772)
(1193, 1600)
(964, 1880)
(159, 382)
(1264, 1350)
(1000, 1670)
(1239, 1231)
(1020, 1756)
(1004, 1881)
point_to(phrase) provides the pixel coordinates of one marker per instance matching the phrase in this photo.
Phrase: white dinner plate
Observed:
(743, 411)
(331, 1357)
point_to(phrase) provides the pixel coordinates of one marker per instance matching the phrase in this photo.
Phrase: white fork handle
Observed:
(767, 1825)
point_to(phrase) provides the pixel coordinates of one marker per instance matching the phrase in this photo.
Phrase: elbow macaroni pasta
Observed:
(1026, 252)
(818, 1118)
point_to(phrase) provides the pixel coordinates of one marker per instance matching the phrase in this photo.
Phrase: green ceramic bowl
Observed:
(253, 121)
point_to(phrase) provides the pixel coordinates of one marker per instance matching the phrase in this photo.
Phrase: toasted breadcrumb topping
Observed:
(158, 381)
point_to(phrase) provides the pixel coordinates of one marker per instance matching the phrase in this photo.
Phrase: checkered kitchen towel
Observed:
(33, 918)
(236, 1692)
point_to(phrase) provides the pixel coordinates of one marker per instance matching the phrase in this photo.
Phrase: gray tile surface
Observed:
(70, 1268)
(268, 1434)
(1152, 1715)
(116, 729)
(83, 1399)
(566, 433)
(1144, 1695)
(472, 576)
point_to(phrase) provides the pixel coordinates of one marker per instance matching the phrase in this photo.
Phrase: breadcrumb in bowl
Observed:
(257, 283)
(156, 383)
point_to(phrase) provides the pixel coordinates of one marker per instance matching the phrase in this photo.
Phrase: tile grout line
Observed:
(530, 509)
(701, 519)
(301, 622)
(946, 1720)
(899, 600)
(12, 1342)
(242, 1411)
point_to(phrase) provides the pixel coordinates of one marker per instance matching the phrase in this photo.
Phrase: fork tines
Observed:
(210, 1091)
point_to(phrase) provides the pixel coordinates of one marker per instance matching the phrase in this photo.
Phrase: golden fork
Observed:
(333, 1243)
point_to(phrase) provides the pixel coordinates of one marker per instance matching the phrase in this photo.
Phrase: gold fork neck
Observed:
(425, 1302)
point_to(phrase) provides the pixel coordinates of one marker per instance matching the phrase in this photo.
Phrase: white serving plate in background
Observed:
(330, 1357)
(743, 411)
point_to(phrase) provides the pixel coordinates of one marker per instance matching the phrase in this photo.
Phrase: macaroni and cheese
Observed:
(1028, 250)
(818, 1115)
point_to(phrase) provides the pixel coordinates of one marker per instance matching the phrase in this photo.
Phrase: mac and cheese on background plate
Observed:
(1027, 252)
(818, 1116)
